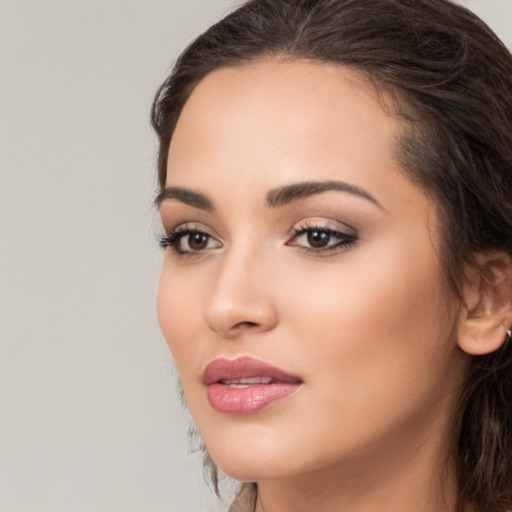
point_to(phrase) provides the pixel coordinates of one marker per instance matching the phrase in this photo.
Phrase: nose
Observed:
(240, 301)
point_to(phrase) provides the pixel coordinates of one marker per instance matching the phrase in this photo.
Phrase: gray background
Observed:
(89, 414)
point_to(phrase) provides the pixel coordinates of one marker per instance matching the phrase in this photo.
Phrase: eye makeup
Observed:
(317, 239)
(311, 237)
(188, 240)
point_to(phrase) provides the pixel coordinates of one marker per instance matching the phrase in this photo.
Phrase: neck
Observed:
(397, 475)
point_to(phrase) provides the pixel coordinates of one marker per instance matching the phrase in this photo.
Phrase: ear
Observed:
(483, 323)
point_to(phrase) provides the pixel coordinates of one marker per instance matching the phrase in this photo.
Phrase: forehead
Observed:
(278, 121)
(300, 98)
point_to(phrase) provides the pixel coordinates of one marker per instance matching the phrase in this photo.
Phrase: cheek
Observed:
(374, 347)
(370, 324)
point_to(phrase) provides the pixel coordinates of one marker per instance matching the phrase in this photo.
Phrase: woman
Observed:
(336, 193)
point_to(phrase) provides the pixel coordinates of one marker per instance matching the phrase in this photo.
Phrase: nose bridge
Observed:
(240, 298)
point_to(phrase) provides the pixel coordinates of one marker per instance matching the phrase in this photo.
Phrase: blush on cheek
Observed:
(175, 318)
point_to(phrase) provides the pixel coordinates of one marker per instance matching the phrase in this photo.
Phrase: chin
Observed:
(256, 469)
(259, 453)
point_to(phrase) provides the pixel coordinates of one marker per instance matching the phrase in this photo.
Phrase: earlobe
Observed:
(487, 315)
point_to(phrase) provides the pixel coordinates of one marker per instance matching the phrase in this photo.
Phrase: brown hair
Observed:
(452, 78)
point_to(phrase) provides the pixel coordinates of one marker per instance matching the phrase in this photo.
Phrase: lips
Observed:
(246, 385)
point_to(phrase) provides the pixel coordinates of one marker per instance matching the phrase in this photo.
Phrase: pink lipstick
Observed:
(246, 385)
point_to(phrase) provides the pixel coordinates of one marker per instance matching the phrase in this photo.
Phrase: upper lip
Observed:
(243, 368)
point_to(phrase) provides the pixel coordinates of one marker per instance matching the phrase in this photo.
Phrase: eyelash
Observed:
(346, 241)
(173, 239)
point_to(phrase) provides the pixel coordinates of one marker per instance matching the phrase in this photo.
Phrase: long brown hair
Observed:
(452, 80)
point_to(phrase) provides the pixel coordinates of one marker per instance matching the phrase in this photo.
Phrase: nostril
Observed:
(230, 315)
(246, 324)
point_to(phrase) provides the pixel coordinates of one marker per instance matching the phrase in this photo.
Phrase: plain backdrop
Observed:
(90, 418)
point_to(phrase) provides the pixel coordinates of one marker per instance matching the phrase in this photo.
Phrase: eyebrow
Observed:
(280, 196)
(284, 195)
(185, 195)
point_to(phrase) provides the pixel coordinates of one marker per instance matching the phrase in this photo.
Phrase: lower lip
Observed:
(248, 400)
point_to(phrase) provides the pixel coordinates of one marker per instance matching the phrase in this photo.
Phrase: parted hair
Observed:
(451, 80)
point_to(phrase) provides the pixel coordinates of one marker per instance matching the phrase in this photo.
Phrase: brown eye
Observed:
(321, 240)
(184, 240)
(197, 241)
(190, 241)
(318, 239)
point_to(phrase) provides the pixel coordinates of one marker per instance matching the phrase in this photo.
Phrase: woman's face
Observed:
(302, 295)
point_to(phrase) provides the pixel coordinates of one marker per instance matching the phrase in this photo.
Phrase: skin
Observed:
(369, 327)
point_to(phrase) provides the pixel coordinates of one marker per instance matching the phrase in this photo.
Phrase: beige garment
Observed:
(246, 499)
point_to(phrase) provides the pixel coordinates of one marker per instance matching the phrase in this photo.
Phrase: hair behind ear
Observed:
(485, 416)
(484, 322)
(484, 433)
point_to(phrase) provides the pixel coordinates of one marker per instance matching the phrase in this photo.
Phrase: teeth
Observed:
(245, 383)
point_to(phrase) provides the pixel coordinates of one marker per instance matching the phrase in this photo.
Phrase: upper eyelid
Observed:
(328, 224)
(189, 226)
(306, 223)
(342, 234)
